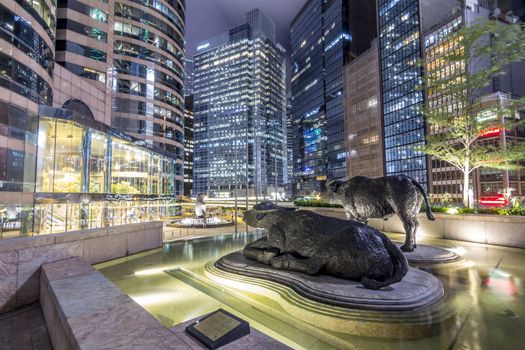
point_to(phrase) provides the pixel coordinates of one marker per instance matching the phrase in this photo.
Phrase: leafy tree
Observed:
(483, 50)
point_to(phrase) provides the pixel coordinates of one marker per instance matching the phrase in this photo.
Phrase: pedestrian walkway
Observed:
(24, 328)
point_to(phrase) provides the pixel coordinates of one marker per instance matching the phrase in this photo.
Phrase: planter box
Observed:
(488, 229)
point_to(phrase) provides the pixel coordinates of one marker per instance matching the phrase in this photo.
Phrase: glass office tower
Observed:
(401, 26)
(309, 116)
(188, 145)
(240, 111)
(324, 35)
(404, 126)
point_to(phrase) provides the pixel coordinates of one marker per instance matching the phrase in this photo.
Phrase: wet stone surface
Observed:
(428, 255)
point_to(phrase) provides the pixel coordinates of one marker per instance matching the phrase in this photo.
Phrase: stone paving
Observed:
(23, 329)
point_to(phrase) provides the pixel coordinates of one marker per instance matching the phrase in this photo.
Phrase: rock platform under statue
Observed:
(417, 290)
(429, 255)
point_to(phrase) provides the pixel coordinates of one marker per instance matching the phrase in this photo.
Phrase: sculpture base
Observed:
(428, 255)
(417, 290)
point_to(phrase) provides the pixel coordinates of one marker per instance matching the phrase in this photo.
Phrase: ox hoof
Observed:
(407, 248)
(279, 262)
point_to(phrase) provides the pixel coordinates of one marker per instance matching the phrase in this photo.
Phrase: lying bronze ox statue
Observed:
(307, 242)
(364, 198)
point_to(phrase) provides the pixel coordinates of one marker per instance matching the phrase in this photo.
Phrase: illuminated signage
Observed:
(491, 132)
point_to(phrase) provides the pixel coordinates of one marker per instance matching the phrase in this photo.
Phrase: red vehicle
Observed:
(493, 200)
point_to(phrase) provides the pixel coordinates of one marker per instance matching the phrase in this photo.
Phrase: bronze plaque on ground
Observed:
(218, 328)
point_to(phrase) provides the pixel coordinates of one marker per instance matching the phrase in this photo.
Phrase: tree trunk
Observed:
(465, 190)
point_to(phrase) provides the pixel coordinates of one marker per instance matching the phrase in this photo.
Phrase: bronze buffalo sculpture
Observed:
(310, 243)
(364, 198)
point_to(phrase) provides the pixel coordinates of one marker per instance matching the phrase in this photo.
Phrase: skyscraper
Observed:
(188, 77)
(324, 35)
(289, 144)
(188, 145)
(240, 110)
(402, 25)
(364, 134)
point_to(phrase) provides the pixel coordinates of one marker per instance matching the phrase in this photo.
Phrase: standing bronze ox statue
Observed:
(365, 198)
(303, 241)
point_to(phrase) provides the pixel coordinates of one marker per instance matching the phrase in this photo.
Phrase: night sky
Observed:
(208, 18)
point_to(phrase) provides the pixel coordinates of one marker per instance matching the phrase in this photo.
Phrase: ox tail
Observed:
(430, 216)
(400, 267)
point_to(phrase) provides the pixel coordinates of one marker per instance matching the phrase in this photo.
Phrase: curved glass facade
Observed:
(21, 35)
(148, 53)
(21, 79)
(42, 13)
(27, 33)
(133, 50)
(66, 78)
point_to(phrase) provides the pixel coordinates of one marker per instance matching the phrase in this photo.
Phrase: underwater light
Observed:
(149, 272)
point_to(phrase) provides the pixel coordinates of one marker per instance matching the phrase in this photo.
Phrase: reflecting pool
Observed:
(483, 308)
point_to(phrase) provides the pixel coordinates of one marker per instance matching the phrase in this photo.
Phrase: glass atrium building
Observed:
(91, 119)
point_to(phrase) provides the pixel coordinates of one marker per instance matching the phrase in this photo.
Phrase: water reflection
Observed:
(483, 309)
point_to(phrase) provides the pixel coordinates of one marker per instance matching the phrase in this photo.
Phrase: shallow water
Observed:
(484, 306)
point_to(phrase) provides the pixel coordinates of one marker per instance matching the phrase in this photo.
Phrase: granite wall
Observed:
(22, 257)
(489, 229)
(84, 310)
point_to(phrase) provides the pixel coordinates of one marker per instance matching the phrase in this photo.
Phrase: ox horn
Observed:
(334, 184)
(331, 182)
